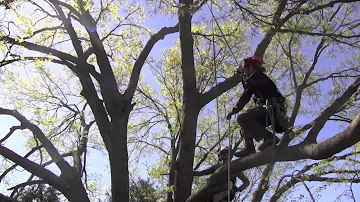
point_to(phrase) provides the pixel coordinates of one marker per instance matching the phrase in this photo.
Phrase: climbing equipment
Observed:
(277, 110)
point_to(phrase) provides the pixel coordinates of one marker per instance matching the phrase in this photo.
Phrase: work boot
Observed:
(249, 149)
(268, 141)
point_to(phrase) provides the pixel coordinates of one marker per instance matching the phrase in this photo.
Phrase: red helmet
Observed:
(252, 60)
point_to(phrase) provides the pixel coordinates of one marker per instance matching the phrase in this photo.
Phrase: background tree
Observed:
(143, 190)
(39, 193)
(318, 123)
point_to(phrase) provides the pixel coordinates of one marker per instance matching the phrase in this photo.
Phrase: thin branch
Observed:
(12, 130)
(135, 74)
(308, 190)
(351, 189)
(27, 184)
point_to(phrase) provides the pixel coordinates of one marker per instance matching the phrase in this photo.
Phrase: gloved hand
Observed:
(228, 116)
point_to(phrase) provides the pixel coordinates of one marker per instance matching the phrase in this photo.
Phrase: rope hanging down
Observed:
(217, 102)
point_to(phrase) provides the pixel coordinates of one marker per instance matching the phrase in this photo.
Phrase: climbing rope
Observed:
(229, 160)
(222, 33)
(216, 92)
(215, 80)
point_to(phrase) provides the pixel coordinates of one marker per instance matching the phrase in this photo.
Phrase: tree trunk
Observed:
(174, 153)
(184, 164)
(184, 168)
(119, 159)
(76, 191)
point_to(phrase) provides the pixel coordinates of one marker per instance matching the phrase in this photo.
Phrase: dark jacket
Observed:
(261, 86)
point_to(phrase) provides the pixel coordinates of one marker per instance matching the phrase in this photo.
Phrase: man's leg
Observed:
(253, 123)
(245, 121)
(249, 148)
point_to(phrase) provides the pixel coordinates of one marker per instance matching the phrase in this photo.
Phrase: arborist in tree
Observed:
(223, 155)
(253, 122)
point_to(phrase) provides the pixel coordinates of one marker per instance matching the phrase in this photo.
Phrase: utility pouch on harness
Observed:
(281, 119)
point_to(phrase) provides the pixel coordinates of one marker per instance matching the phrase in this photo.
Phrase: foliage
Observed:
(39, 193)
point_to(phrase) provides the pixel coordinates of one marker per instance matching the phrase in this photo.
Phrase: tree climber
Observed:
(253, 122)
(223, 156)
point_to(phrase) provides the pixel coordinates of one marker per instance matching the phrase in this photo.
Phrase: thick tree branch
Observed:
(135, 74)
(219, 89)
(14, 166)
(263, 185)
(322, 150)
(34, 168)
(264, 43)
(60, 162)
(331, 110)
(39, 48)
(71, 31)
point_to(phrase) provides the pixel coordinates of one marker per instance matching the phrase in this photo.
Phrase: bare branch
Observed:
(263, 185)
(12, 130)
(27, 184)
(219, 89)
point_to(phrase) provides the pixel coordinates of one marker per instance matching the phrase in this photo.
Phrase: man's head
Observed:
(252, 64)
(223, 154)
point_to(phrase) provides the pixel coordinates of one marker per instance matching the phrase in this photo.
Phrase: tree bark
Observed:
(118, 156)
(184, 168)
(263, 185)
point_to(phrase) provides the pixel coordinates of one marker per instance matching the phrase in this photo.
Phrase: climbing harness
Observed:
(277, 111)
(269, 107)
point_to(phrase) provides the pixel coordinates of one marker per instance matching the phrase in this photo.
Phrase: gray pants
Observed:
(253, 123)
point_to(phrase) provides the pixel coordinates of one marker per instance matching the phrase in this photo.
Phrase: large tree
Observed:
(282, 19)
(86, 37)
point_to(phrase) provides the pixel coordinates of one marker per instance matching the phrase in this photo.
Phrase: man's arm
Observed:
(255, 80)
(207, 171)
(244, 99)
(245, 181)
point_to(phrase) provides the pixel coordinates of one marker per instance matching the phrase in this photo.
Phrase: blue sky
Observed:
(97, 160)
